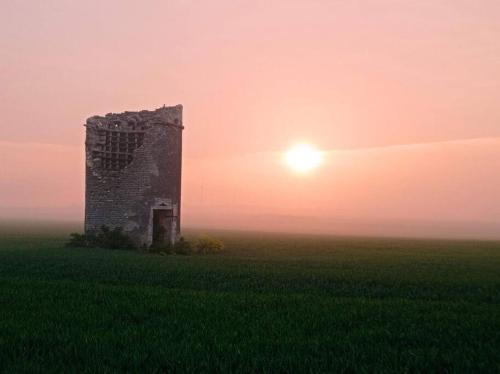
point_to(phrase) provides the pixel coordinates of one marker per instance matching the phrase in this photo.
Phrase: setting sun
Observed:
(303, 158)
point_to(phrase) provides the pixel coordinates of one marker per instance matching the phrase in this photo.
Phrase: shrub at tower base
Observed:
(116, 239)
(103, 238)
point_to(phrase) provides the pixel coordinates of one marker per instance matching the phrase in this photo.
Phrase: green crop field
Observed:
(268, 303)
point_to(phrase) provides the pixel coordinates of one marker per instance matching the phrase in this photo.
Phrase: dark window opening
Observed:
(162, 225)
(117, 148)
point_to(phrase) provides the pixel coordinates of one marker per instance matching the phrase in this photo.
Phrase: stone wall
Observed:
(133, 166)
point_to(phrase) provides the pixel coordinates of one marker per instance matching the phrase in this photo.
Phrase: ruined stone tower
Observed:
(133, 174)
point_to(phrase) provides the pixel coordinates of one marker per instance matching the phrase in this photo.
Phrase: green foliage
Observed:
(160, 248)
(207, 245)
(113, 239)
(77, 240)
(183, 247)
(268, 303)
(103, 238)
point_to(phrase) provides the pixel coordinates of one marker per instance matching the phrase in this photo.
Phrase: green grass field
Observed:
(269, 303)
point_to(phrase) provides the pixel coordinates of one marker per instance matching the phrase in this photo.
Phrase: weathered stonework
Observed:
(133, 173)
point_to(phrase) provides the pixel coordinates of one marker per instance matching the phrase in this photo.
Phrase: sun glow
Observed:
(303, 158)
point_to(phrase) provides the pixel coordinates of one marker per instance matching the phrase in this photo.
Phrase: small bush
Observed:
(77, 240)
(207, 245)
(161, 248)
(103, 238)
(183, 247)
(113, 239)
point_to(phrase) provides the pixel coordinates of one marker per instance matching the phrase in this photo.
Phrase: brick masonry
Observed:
(133, 173)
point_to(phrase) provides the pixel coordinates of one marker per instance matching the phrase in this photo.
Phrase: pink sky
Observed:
(403, 96)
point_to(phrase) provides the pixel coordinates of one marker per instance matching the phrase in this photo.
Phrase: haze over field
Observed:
(402, 98)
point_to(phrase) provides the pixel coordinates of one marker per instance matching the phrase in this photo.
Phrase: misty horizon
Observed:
(204, 207)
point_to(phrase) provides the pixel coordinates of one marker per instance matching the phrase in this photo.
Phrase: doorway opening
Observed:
(162, 226)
